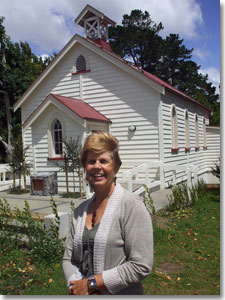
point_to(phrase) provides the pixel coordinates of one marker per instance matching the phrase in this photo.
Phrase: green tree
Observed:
(19, 67)
(72, 162)
(18, 162)
(175, 54)
(138, 40)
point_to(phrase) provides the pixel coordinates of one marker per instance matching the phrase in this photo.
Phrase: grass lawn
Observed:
(187, 250)
(186, 260)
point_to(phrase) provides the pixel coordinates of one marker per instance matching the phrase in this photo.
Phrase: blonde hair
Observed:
(101, 141)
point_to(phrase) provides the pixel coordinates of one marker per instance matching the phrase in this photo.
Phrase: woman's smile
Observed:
(100, 169)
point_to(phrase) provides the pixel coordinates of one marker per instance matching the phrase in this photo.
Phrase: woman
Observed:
(110, 246)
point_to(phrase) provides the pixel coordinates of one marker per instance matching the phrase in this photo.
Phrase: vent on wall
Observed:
(81, 63)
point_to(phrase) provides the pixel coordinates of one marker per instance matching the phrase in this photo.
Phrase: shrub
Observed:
(148, 201)
(184, 196)
(21, 230)
(216, 169)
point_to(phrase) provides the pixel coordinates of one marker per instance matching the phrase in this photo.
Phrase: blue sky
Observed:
(48, 25)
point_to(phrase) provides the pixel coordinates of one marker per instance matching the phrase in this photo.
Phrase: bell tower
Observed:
(95, 23)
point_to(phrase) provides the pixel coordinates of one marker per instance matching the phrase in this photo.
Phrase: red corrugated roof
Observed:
(81, 108)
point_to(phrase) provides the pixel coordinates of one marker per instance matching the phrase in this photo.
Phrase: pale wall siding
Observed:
(213, 151)
(125, 101)
(182, 157)
(40, 143)
(114, 93)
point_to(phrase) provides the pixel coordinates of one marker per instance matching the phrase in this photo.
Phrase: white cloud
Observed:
(48, 25)
(213, 76)
(202, 54)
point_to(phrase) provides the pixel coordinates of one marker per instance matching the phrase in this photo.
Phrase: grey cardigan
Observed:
(123, 247)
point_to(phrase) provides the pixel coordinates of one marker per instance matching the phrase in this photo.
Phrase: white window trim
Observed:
(196, 132)
(204, 133)
(54, 139)
(187, 130)
(74, 68)
(51, 149)
(174, 131)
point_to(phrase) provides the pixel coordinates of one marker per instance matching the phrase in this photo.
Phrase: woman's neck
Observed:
(101, 195)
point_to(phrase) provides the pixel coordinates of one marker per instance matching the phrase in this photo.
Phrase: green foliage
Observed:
(184, 196)
(138, 40)
(19, 229)
(148, 201)
(17, 162)
(72, 207)
(72, 162)
(21, 275)
(71, 195)
(17, 191)
(187, 251)
(216, 169)
(19, 67)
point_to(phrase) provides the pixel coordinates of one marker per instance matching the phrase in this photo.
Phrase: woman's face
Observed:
(100, 169)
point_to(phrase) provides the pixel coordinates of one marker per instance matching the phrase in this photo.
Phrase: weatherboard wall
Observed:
(196, 157)
(114, 93)
(41, 143)
(125, 101)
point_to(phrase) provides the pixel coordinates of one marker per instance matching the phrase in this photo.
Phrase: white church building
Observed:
(164, 135)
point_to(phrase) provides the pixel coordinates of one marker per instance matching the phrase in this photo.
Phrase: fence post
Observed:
(3, 176)
(146, 176)
(196, 175)
(174, 176)
(129, 182)
(189, 177)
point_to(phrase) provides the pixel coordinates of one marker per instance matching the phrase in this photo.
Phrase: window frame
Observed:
(197, 147)
(187, 130)
(204, 133)
(75, 69)
(174, 129)
(51, 147)
(57, 132)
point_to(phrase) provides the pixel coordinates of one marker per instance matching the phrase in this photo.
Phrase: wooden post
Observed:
(80, 183)
(129, 182)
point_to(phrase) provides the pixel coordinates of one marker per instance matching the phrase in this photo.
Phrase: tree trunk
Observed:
(14, 179)
(9, 125)
(79, 174)
(24, 175)
(66, 172)
(73, 182)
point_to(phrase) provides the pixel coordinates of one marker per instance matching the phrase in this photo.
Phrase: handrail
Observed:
(145, 166)
(4, 168)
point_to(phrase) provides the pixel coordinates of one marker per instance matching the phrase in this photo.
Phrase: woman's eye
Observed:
(103, 161)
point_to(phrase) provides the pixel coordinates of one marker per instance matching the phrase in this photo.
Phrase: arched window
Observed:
(187, 131)
(204, 134)
(174, 128)
(57, 137)
(196, 132)
(81, 63)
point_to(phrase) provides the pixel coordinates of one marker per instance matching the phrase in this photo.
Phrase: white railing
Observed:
(4, 172)
(6, 178)
(132, 176)
(188, 169)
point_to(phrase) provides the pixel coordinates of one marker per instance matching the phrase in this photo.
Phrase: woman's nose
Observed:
(97, 164)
